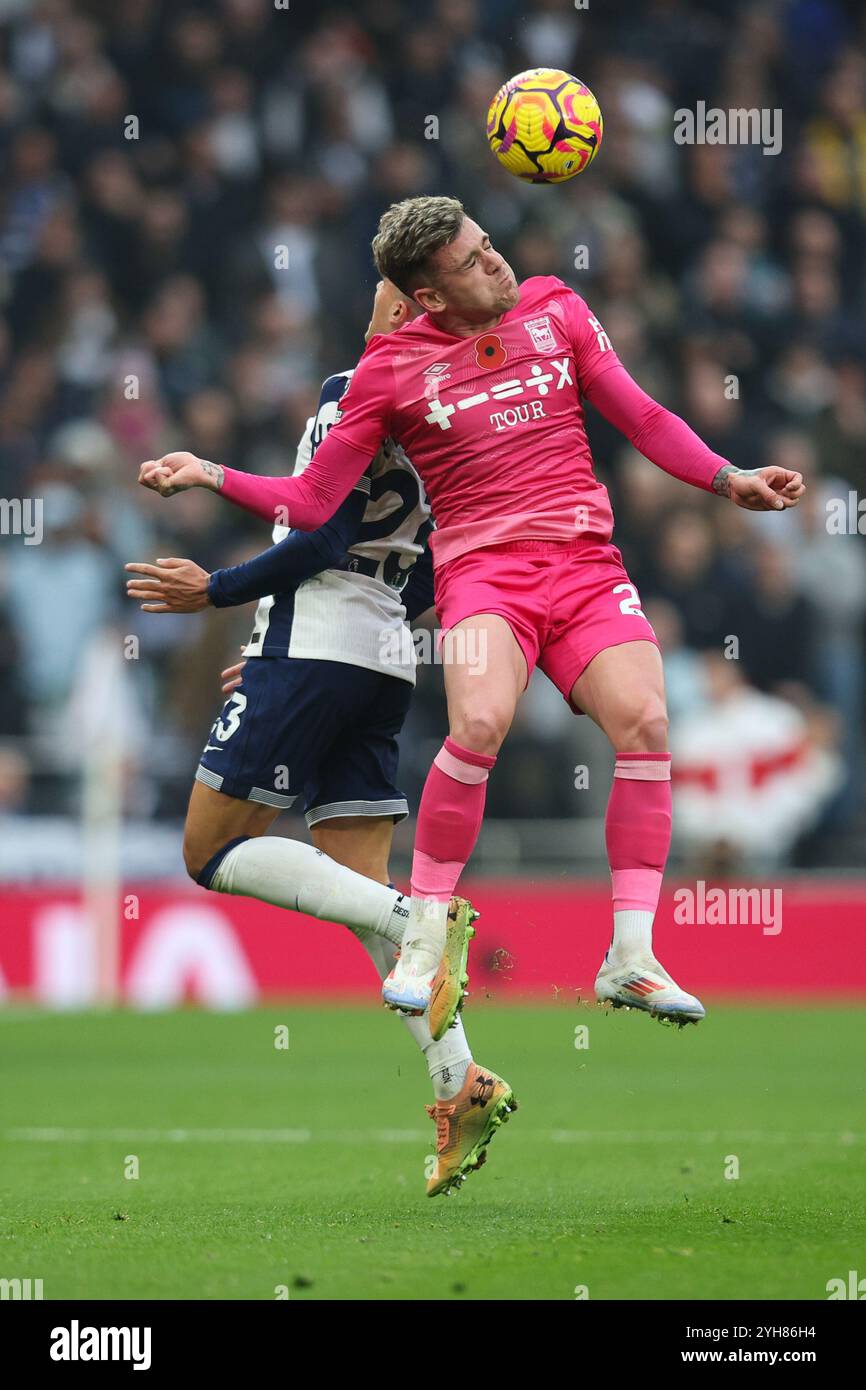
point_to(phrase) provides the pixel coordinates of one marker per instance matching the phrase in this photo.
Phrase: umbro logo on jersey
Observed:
(433, 376)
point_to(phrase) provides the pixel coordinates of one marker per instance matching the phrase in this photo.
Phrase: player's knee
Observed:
(645, 728)
(204, 860)
(194, 858)
(198, 850)
(482, 730)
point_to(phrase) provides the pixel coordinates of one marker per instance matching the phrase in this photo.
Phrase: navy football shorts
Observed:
(322, 730)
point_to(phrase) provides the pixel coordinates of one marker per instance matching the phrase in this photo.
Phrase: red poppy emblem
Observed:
(489, 351)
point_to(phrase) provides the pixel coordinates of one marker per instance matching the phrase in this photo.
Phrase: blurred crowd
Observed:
(189, 195)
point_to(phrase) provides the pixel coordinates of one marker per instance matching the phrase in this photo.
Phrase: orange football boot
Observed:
(465, 1125)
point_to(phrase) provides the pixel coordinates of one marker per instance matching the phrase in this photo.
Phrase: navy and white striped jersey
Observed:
(353, 612)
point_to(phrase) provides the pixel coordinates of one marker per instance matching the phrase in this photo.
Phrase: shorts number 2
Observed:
(629, 606)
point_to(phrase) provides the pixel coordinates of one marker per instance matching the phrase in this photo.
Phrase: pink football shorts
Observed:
(565, 601)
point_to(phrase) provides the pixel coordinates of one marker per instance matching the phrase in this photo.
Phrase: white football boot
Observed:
(642, 983)
(430, 970)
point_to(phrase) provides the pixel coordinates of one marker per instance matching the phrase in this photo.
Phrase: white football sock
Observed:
(425, 932)
(448, 1079)
(303, 879)
(632, 933)
(447, 1060)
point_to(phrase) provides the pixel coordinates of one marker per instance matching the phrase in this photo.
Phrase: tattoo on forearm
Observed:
(722, 480)
(215, 471)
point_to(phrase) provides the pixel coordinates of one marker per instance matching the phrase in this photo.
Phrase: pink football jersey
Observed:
(493, 423)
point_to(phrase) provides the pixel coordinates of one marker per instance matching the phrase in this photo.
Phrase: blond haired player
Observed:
(486, 391)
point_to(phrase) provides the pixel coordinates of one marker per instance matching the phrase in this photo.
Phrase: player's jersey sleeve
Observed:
(287, 564)
(327, 413)
(662, 437)
(363, 418)
(657, 433)
(298, 555)
(319, 482)
(593, 351)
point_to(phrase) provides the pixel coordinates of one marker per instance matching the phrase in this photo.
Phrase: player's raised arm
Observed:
(307, 501)
(667, 441)
(304, 503)
(660, 435)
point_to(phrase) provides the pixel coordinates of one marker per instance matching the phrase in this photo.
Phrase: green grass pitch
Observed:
(301, 1168)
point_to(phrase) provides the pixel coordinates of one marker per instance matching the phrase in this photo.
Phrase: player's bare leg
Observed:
(360, 844)
(213, 819)
(622, 690)
(485, 673)
(226, 849)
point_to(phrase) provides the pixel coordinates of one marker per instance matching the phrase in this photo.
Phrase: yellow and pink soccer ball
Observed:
(544, 126)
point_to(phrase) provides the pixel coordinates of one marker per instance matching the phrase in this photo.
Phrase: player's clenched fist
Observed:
(760, 489)
(178, 472)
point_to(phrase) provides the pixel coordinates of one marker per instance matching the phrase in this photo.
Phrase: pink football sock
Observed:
(449, 819)
(638, 833)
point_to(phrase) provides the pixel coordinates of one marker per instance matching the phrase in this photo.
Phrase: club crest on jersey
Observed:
(541, 334)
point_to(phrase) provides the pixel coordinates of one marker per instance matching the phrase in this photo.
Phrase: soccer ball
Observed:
(544, 126)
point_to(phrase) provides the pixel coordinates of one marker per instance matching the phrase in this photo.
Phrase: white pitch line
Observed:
(159, 1136)
(54, 1135)
(707, 1136)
